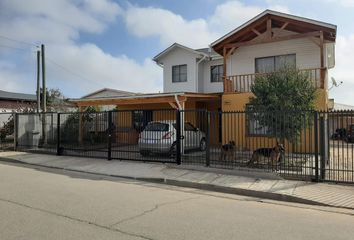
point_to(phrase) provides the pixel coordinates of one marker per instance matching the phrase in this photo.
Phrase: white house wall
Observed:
(243, 59)
(179, 56)
(208, 86)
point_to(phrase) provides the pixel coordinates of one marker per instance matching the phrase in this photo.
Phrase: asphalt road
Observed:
(53, 204)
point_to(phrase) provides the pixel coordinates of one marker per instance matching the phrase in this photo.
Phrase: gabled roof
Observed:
(295, 23)
(109, 93)
(17, 96)
(208, 51)
(177, 45)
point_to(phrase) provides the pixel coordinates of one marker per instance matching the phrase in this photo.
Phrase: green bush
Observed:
(282, 102)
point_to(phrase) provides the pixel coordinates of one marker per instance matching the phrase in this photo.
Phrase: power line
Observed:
(16, 48)
(68, 70)
(14, 40)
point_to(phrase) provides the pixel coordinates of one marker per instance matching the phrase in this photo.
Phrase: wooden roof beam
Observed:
(256, 32)
(275, 39)
(269, 29)
(284, 26)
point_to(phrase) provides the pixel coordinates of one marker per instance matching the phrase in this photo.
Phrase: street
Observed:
(42, 203)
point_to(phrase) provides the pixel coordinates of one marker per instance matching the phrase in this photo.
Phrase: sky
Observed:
(92, 44)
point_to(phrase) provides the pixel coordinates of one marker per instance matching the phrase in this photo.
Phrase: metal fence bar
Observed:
(59, 152)
(207, 155)
(316, 145)
(109, 135)
(178, 137)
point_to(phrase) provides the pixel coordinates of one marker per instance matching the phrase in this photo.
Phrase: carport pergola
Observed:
(159, 101)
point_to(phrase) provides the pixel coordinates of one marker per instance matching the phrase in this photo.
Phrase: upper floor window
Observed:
(216, 73)
(179, 73)
(274, 63)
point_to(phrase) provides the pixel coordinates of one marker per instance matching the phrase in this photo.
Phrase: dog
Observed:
(272, 154)
(228, 151)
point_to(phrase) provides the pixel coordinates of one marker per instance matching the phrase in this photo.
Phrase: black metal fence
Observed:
(306, 145)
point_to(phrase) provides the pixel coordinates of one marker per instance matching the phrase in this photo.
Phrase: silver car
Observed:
(160, 137)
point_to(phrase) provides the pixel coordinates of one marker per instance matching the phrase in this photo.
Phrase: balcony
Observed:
(242, 83)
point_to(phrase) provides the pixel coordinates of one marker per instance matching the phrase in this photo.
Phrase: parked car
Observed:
(160, 137)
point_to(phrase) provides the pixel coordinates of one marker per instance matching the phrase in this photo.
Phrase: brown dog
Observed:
(228, 151)
(272, 154)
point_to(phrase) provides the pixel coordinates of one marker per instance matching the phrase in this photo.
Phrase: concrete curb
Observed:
(201, 186)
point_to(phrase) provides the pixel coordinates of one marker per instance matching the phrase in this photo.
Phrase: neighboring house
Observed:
(341, 118)
(220, 77)
(12, 102)
(106, 93)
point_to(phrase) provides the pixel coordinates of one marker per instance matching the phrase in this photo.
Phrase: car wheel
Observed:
(202, 145)
(144, 153)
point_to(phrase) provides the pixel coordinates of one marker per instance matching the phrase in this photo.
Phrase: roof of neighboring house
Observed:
(107, 92)
(340, 106)
(17, 96)
(177, 45)
(247, 31)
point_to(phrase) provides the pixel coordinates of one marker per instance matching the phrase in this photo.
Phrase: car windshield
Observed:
(157, 127)
(187, 126)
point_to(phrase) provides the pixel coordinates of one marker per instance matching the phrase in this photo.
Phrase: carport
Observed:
(134, 111)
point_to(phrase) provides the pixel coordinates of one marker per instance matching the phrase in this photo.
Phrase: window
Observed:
(216, 73)
(189, 127)
(274, 63)
(157, 127)
(253, 125)
(179, 73)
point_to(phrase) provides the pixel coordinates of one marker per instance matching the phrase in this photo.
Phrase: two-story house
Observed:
(219, 78)
(261, 45)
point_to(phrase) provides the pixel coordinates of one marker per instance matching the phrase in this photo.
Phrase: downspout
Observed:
(197, 72)
(182, 120)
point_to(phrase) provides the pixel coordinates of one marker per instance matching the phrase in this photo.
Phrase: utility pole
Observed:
(38, 81)
(43, 80)
(44, 89)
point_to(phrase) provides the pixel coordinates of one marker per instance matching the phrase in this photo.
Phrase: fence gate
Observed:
(337, 146)
(143, 135)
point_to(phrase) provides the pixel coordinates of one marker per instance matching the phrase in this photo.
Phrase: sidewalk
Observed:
(237, 182)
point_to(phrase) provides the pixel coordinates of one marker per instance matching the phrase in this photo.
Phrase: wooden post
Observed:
(322, 60)
(225, 69)
(269, 28)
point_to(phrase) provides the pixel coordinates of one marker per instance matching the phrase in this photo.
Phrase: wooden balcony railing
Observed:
(242, 83)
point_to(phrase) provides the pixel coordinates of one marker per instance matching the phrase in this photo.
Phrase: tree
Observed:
(283, 102)
(56, 101)
(70, 129)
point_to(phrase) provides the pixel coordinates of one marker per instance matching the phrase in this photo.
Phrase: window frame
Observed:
(248, 125)
(218, 66)
(274, 61)
(178, 67)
